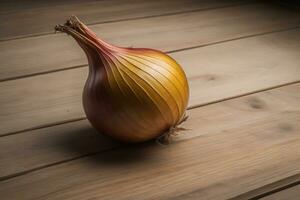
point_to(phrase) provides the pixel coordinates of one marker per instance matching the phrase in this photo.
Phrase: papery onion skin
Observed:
(131, 94)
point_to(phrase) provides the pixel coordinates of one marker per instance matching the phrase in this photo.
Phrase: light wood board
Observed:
(168, 33)
(270, 188)
(290, 193)
(242, 138)
(9, 6)
(214, 72)
(228, 149)
(19, 19)
(68, 141)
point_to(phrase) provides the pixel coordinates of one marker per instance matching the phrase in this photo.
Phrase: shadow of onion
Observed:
(127, 154)
(85, 142)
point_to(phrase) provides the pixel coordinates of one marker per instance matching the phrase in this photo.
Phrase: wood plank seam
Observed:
(233, 39)
(175, 13)
(292, 181)
(91, 180)
(13, 68)
(3, 178)
(190, 107)
(172, 51)
(133, 18)
(276, 190)
(44, 6)
(252, 195)
(252, 192)
(44, 126)
(245, 94)
(194, 81)
(289, 193)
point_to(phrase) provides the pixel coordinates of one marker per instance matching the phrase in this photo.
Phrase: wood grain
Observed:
(40, 17)
(8, 6)
(67, 141)
(228, 149)
(214, 72)
(21, 153)
(290, 193)
(53, 52)
(270, 188)
(241, 141)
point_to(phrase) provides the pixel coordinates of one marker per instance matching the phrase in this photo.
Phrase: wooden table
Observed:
(242, 139)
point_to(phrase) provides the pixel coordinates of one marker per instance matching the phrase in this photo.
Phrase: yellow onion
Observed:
(131, 94)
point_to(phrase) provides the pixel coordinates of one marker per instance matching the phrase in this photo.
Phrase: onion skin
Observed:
(131, 94)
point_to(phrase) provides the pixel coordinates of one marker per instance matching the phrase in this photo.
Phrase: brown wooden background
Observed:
(242, 59)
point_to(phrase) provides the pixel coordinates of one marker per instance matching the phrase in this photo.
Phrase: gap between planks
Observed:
(274, 105)
(270, 189)
(288, 193)
(168, 52)
(135, 18)
(188, 108)
(259, 70)
(241, 95)
(170, 32)
(3, 178)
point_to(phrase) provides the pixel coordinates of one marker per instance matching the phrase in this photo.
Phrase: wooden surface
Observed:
(290, 193)
(212, 78)
(170, 33)
(92, 12)
(242, 139)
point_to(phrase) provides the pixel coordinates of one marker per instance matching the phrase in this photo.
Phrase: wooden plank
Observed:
(44, 16)
(214, 72)
(21, 153)
(290, 193)
(270, 188)
(53, 52)
(228, 149)
(54, 142)
(8, 6)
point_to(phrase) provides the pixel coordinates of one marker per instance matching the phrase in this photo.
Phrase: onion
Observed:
(131, 94)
